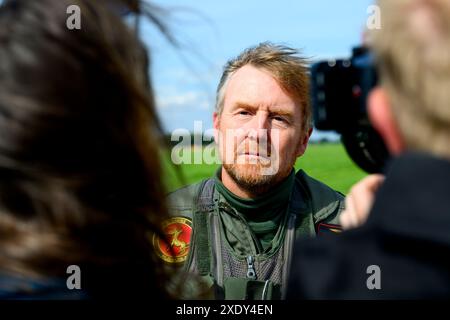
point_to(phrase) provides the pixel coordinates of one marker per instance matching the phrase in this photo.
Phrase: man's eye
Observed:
(244, 113)
(281, 119)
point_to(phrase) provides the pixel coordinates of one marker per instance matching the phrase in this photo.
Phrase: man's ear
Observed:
(303, 143)
(216, 124)
(380, 115)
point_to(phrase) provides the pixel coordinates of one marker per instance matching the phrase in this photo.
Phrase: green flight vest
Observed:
(313, 208)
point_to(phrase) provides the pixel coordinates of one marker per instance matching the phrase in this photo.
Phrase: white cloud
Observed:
(170, 99)
(187, 98)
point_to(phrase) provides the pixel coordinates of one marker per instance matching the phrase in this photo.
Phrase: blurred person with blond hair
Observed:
(398, 242)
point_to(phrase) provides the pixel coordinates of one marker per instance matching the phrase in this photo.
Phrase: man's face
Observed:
(259, 131)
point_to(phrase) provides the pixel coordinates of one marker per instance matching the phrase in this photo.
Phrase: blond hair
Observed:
(283, 63)
(413, 55)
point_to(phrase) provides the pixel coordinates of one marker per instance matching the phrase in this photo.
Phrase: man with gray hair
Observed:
(245, 219)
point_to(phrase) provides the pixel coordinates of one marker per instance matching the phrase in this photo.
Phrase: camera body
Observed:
(339, 91)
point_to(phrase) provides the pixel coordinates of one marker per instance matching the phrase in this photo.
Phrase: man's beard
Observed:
(257, 165)
(250, 177)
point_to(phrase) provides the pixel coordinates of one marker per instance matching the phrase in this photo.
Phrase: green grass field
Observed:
(328, 163)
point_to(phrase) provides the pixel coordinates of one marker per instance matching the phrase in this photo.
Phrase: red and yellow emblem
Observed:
(328, 228)
(178, 232)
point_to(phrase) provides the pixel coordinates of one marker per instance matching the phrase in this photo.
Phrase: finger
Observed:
(343, 220)
(353, 213)
(347, 216)
(363, 194)
(371, 182)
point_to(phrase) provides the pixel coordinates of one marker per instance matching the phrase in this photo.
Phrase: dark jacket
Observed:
(407, 236)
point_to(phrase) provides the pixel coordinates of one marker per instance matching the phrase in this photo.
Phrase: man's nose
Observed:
(260, 126)
(262, 120)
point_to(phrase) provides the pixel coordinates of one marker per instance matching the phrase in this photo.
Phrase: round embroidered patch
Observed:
(178, 234)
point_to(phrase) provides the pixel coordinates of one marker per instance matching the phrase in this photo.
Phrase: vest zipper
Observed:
(251, 274)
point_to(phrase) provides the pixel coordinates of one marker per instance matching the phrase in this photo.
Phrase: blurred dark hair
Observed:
(80, 178)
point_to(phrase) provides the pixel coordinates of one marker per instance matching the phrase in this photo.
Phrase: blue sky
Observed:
(211, 32)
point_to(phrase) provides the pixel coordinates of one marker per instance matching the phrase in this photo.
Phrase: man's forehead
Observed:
(251, 76)
(255, 87)
(272, 108)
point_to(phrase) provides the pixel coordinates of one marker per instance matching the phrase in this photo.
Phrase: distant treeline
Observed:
(203, 140)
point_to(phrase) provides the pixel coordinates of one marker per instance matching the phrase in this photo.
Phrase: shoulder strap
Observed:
(203, 204)
(326, 203)
(205, 196)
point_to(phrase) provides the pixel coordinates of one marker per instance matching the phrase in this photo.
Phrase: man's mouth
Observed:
(254, 154)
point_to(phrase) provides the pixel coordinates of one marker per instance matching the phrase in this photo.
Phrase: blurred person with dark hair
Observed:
(79, 180)
(399, 245)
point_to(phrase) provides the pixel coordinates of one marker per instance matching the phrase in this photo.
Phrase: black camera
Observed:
(339, 90)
